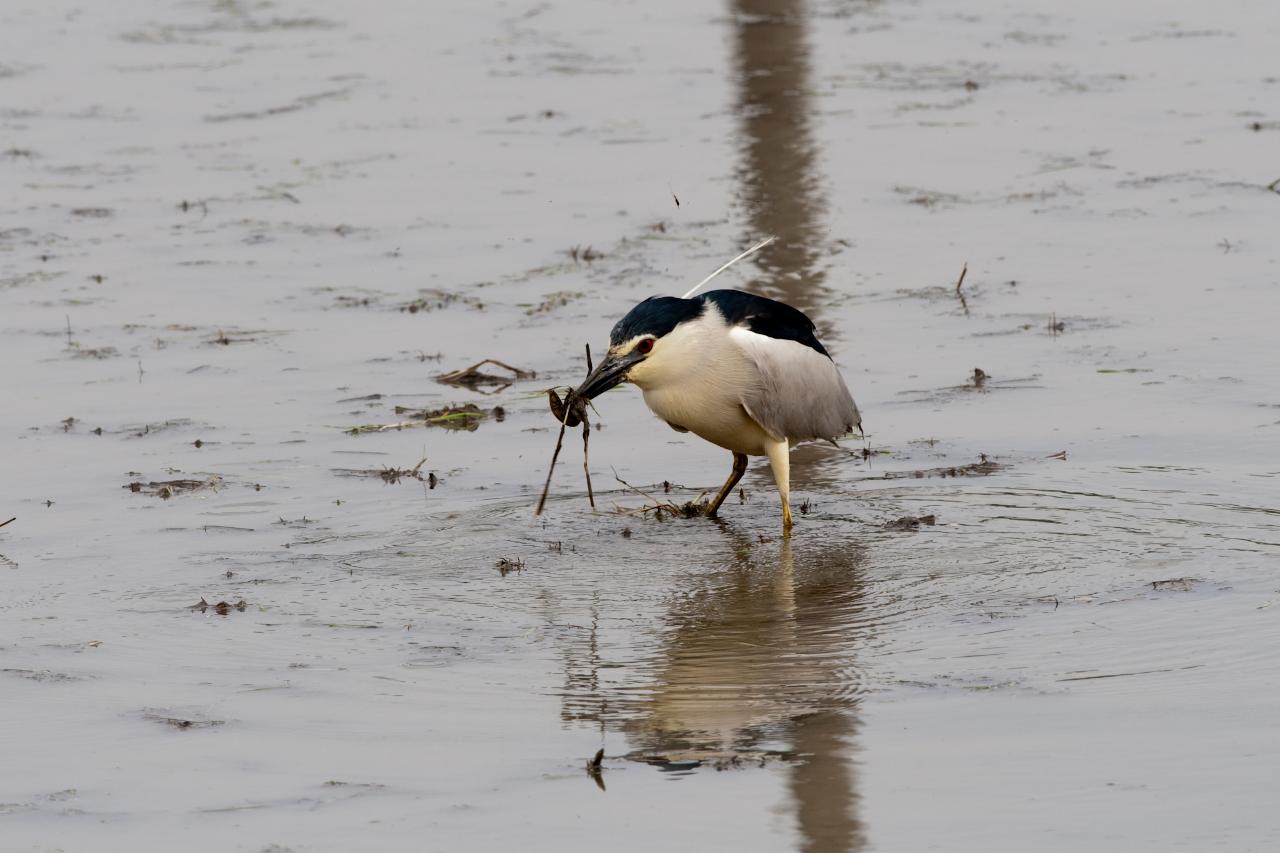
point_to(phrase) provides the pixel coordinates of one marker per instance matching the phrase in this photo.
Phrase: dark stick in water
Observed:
(554, 456)
(586, 435)
(570, 411)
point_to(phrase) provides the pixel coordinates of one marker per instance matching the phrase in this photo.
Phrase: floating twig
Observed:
(689, 509)
(643, 494)
(10, 521)
(470, 377)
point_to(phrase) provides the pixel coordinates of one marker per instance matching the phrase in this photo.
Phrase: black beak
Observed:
(607, 374)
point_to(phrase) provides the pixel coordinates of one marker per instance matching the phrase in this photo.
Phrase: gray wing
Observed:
(800, 394)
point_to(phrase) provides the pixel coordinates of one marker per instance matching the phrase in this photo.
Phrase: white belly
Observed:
(716, 417)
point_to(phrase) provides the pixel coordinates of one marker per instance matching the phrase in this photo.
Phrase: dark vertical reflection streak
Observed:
(780, 188)
(781, 193)
(823, 786)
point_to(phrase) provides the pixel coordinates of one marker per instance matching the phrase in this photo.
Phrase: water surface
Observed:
(231, 233)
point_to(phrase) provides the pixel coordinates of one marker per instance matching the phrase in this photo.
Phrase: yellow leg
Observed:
(780, 461)
(739, 468)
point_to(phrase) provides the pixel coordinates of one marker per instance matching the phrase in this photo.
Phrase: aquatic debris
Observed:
(466, 417)
(394, 475)
(507, 565)
(338, 783)
(391, 475)
(187, 206)
(982, 468)
(222, 608)
(182, 722)
(344, 301)
(168, 488)
(928, 199)
(594, 768)
(99, 353)
(589, 254)
(223, 339)
(147, 429)
(695, 508)
(718, 760)
(40, 674)
(435, 300)
(908, 523)
(964, 303)
(1176, 584)
(299, 103)
(552, 301)
(472, 377)
(10, 521)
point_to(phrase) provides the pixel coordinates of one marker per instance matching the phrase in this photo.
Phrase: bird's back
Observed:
(798, 393)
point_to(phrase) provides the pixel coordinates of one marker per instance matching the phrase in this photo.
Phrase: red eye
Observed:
(645, 346)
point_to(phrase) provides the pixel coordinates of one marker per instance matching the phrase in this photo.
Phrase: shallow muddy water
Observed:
(237, 238)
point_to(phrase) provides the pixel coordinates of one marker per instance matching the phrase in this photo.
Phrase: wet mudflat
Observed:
(274, 586)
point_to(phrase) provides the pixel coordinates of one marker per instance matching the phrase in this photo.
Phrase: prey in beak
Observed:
(608, 373)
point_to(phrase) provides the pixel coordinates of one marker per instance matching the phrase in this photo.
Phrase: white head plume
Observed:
(748, 253)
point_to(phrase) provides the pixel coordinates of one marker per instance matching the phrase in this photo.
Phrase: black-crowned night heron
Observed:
(744, 372)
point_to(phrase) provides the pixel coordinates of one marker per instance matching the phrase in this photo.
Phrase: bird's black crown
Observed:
(656, 316)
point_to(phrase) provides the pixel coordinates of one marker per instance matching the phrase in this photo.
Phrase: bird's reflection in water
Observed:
(756, 665)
